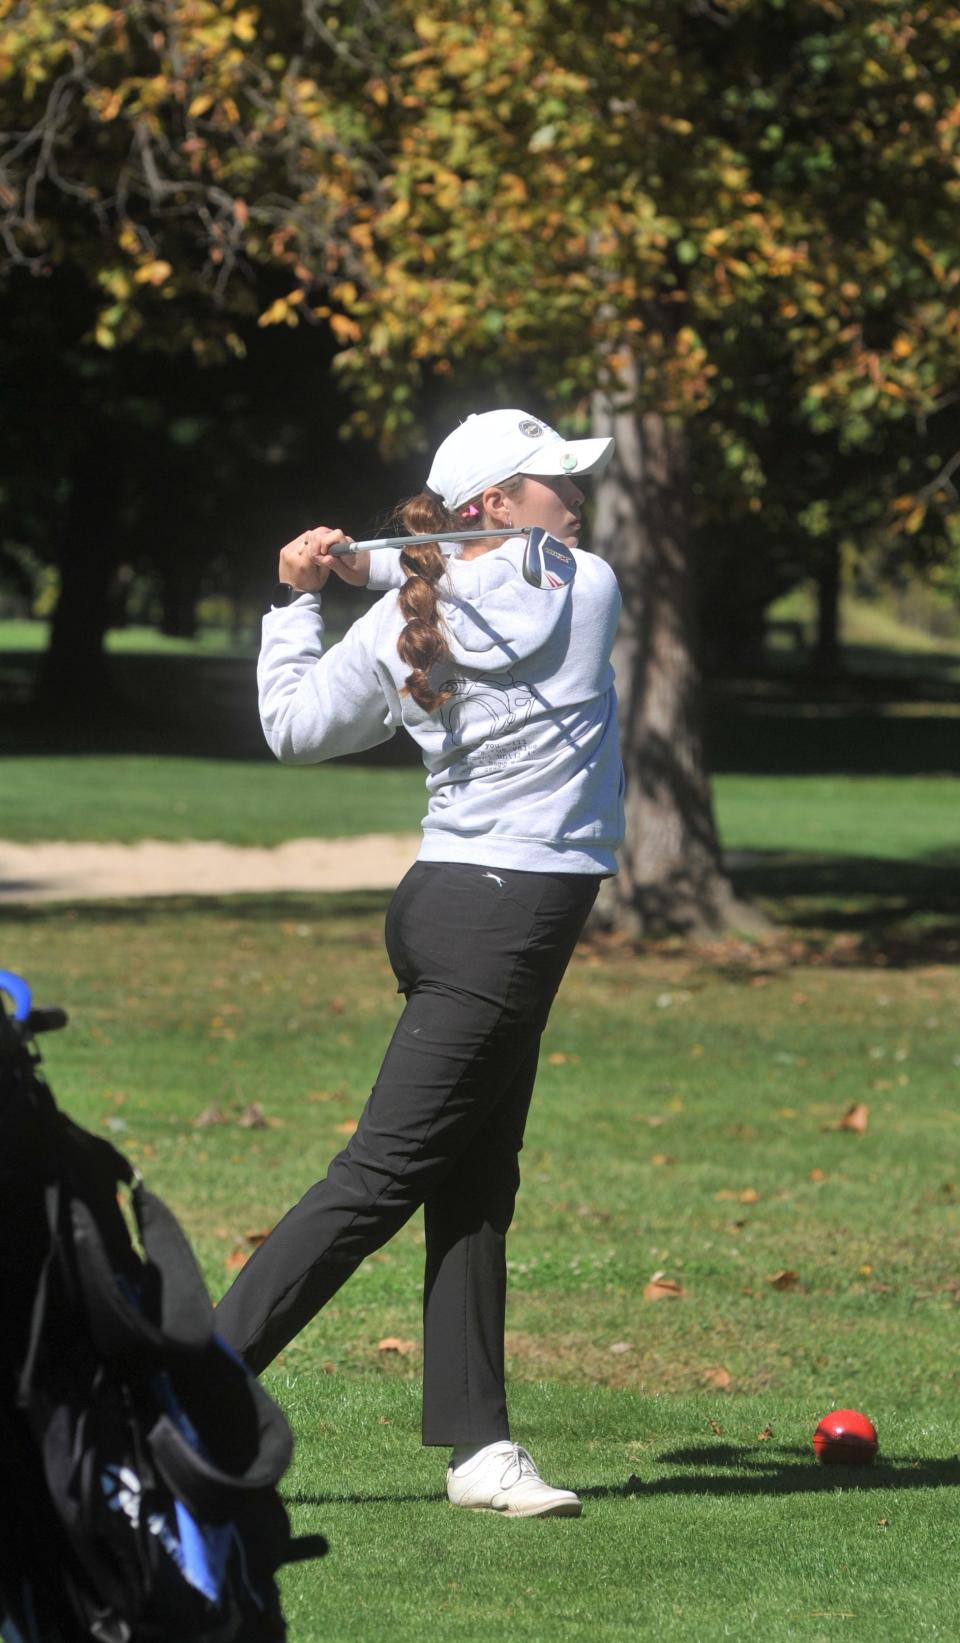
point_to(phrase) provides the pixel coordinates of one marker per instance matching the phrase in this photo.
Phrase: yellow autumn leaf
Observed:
(276, 314)
(111, 108)
(344, 328)
(153, 273)
(914, 520)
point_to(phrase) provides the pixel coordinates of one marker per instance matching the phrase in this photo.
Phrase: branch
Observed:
(944, 477)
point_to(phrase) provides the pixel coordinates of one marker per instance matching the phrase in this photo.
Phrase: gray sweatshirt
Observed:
(523, 762)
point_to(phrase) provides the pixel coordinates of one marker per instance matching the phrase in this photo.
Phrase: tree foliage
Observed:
(755, 200)
(733, 221)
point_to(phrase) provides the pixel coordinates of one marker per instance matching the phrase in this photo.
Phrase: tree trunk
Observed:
(73, 674)
(671, 876)
(827, 652)
(178, 595)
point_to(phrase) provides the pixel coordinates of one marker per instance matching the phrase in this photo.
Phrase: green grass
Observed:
(890, 817)
(125, 797)
(129, 797)
(713, 1538)
(683, 1123)
(19, 635)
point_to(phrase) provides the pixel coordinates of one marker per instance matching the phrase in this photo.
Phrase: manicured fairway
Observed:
(685, 1124)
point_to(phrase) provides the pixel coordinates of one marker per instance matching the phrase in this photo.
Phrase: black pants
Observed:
(479, 953)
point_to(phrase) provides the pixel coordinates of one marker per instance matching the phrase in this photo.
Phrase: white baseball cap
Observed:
(495, 445)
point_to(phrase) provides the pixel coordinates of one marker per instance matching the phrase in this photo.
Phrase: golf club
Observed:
(546, 562)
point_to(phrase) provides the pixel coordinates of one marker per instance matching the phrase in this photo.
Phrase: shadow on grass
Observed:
(344, 1499)
(202, 707)
(784, 1470)
(843, 910)
(254, 909)
(893, 719)
(892, 912)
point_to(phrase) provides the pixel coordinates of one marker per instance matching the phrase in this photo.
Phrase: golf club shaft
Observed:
(415, 541)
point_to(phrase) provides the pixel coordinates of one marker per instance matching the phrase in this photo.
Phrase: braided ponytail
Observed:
(422, 643)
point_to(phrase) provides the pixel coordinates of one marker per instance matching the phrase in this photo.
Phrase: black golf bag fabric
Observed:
(140, 1458)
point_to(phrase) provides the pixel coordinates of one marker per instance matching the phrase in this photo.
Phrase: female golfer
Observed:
(508, 690)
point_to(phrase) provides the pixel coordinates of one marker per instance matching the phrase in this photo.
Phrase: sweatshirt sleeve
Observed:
(386, 570)
(316, 704)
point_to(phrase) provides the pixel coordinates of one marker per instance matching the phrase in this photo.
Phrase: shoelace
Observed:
(521, 1464)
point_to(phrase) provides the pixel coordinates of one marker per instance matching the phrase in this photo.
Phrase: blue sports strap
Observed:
(19, 991)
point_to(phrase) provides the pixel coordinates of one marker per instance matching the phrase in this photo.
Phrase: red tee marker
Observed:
(845, 1438)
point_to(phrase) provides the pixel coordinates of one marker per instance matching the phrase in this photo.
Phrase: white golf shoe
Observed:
(503, 1478)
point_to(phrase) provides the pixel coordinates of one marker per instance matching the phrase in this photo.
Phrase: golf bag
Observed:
(139, 1457)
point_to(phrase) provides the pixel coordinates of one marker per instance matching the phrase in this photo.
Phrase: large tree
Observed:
(717, 226)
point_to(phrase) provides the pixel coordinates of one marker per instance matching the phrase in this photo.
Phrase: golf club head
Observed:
(546, 562)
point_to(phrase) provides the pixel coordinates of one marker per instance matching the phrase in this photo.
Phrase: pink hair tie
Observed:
(471, 512)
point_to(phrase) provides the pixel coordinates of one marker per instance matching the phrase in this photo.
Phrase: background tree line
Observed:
(724, 229)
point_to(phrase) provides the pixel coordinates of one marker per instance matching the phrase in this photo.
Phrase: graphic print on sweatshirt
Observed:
(484, 710)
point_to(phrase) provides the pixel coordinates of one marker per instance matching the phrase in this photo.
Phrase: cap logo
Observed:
(532, 430)
(569, 462)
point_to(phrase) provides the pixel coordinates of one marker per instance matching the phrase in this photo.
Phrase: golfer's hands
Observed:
(306, 562)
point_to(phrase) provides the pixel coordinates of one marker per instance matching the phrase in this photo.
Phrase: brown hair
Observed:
(423, 644)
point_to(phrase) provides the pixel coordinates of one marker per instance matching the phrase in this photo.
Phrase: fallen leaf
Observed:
(325, 1095)
(621, 1346)
(663, 1289)
(253, 1117)
(258, 1237)
(560, 1058)
(765, 1435)
(718, 1376)
(393, 1343)
(236, 1259)
(817, 1175)
(883, 1523)
(347, 1127)
(787, 1279)
(210, 1115)
(854, 1120)
(716, 1429)
(660, 1159)
(750, 1195)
